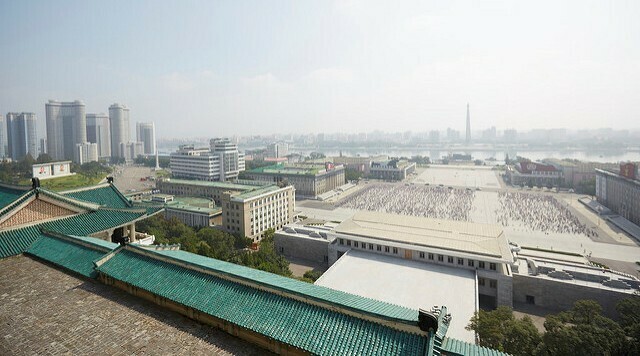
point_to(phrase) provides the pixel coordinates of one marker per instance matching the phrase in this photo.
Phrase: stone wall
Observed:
(559, 296)
(301, 247)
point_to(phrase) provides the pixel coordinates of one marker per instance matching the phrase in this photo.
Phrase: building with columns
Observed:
(310, 180)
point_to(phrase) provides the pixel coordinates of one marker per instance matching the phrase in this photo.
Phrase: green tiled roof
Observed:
(254, 193)
(19, 200)
(14, 242)
(293, 286)
(103, 195)
(457, 347)
(317, 330)
(73, 253)
(204, 183)
(280, 168)
(8, 195)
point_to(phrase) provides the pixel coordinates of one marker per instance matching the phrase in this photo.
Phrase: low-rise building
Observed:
(194, 216)
(208, 189)
(253, 212)
(620, 191)
(534, 174)
(359, 163)
(310, 180)
(248, 209)
(575, 173)
(391, 170)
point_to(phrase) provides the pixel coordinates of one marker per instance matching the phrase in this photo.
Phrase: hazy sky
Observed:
(241, 67)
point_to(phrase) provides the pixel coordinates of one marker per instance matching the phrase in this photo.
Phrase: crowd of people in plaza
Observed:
(415, 200)
(539, 212)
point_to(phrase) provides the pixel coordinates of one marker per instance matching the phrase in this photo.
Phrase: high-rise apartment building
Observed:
(21, 135)
(146, 133)
(220, 162)
(3, 138)
(85, 153)
(120, 129)
(99, 132)
(66, 127)
(230, 160)
(277, 150)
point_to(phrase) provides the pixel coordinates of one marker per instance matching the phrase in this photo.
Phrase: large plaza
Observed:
(537, 219)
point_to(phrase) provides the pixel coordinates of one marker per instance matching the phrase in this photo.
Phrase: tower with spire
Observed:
(468, 138)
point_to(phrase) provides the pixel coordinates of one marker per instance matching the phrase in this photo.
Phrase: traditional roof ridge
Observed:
(81, 193)
(72, 253)
(86, 241)
(21, 199)
(395, 316)
(15, 186)
(16, 241)
(280, 316)
(77, 202)
(82, 189)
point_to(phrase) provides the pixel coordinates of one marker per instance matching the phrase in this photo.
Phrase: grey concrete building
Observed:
(391, 170)
(66, 127)
(146, 133)
(619, 193)
(99, 132)
(21, 135)
(120, 129)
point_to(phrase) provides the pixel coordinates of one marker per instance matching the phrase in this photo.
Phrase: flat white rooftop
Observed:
(408, 283)
(481, 239)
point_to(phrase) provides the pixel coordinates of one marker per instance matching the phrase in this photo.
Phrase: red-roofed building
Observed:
(534, 174)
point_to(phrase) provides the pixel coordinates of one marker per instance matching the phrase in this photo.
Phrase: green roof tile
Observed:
(16, 241)
(458, 347)
(8, 195)
(290, 285)
(103, 195)
(73, 253)
(309, 327)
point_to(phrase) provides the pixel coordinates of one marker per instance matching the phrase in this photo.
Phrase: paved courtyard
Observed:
(459, 176)
(44, 311)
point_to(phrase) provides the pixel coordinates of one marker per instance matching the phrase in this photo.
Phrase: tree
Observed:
(352, 174)
(629, 310)
(583, 330)
(215, 243)
(44, 158)
(501, 330)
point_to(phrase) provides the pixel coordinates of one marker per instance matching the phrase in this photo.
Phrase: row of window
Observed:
(429, 256)
(492, 283)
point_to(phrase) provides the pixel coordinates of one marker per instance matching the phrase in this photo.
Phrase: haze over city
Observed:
(230, 68)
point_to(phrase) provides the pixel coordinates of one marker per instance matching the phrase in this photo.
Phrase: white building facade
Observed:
(220, 162)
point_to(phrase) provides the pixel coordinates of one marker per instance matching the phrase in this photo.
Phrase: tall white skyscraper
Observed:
(66, 127)
(99, 132)
(120, 129)
(230, 160)
(146, 133)
(21, 135)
